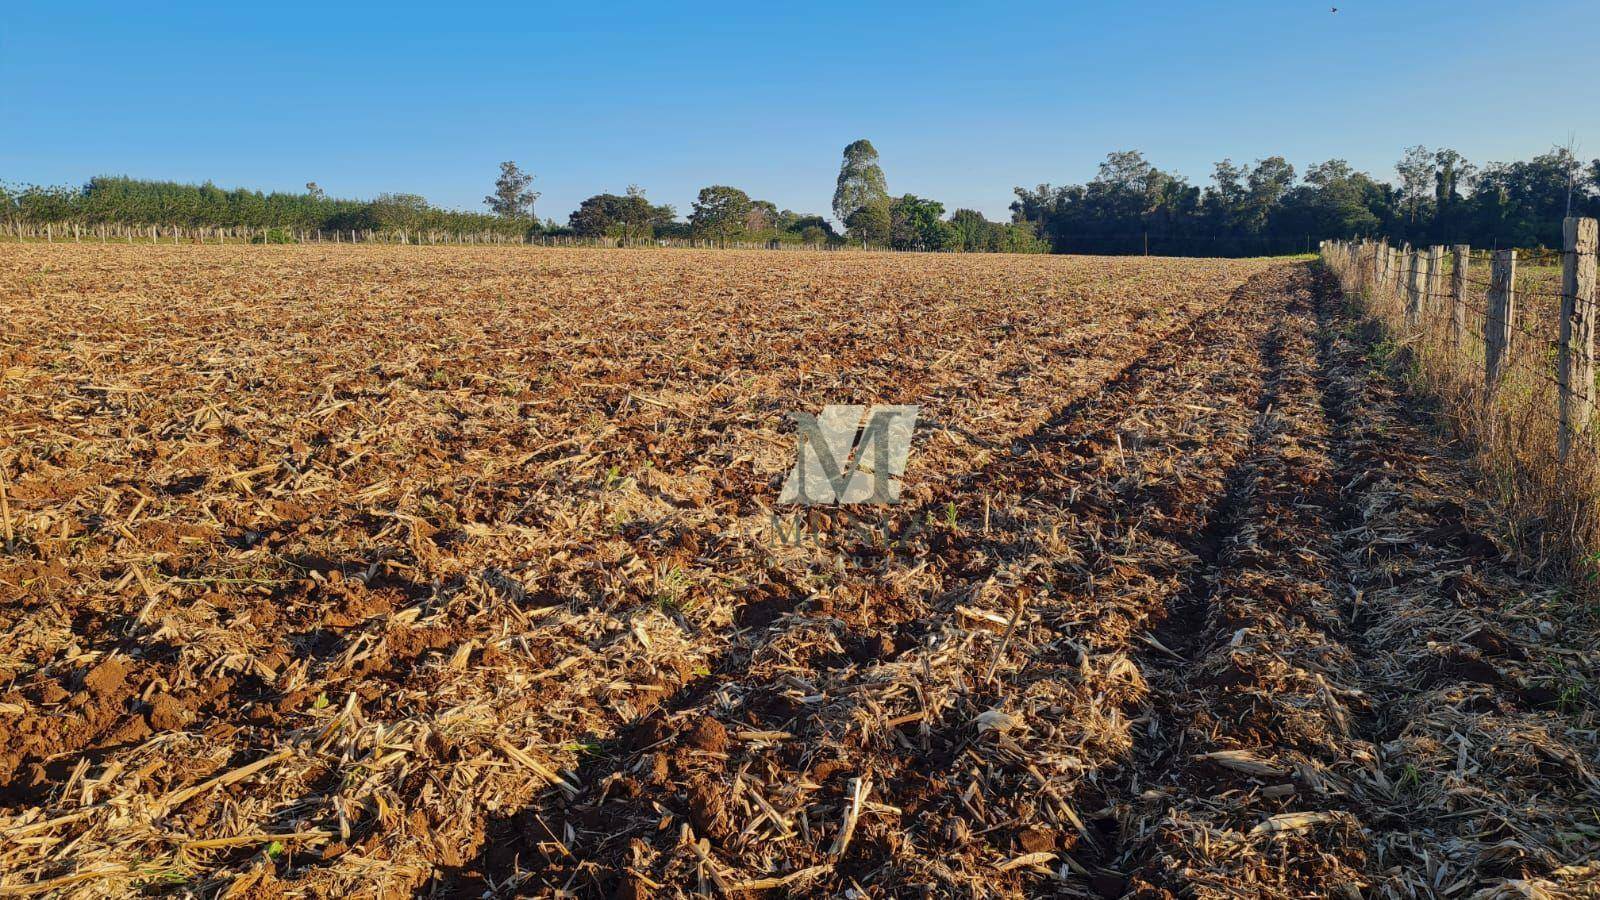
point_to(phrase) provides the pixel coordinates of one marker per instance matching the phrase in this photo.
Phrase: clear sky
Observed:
(963, 102)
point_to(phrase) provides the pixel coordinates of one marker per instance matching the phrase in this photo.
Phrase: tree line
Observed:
(1130, 206)
(130, 201)
(1263, 208)
(720, 213)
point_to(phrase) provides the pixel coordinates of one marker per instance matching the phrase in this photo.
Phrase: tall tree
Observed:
(719, 212)
(512, 198)
(1225, 199)
(861, 181)
(1037, 206)
(1451, 175)
(1126, 186)
(1591, 192)
(1269, 180)
(1416, 180)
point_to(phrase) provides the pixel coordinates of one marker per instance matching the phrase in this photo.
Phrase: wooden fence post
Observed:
(1414, 275)
(1501, 309)
(1575, 353)
(1458, 292)
(1402, 275)
(1436, 257)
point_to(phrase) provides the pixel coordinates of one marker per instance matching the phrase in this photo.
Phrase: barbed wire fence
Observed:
(118, 233)
(1507, 344)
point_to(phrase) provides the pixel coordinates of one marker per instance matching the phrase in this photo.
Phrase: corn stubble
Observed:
(378, 570)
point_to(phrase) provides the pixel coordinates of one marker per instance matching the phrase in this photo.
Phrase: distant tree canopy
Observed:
(812, 229)
(630, 217)
(976, 234)
(720, 213)
(128, 201)
(1129, 206)
(918, 224)
(870, 223)
(1439, 197)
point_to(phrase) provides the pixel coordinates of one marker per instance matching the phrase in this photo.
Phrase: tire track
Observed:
(1256, 737)
(1483, 783)
(1371, 706)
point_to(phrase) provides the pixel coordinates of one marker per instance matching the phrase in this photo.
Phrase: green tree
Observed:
(9, 207)
(1522, 203)
(861, 182)
(1416, 170)
(1225, 200)
(762, 216)
(719, 212)
(1019, 237)
(1334, 201)
(975, 233)
(812, 229)
(129, 201)
(513, 198)
(870, 223)
(972, 233)
(631, 216)
(1268, 182)
(1451, 175)
(1125, 187)
(917, 224)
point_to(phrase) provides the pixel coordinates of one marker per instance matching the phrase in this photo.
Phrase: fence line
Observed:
(1512, 357)
(110, 232)
(114, 232)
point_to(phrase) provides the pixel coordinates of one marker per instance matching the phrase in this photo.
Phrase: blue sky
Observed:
(962, 102)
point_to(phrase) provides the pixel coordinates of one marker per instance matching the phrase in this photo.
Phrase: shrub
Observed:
(275, 236)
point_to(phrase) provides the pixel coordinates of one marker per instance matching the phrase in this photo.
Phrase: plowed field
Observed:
(445, 572)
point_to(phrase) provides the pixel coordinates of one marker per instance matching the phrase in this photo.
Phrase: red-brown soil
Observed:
(447, 571)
